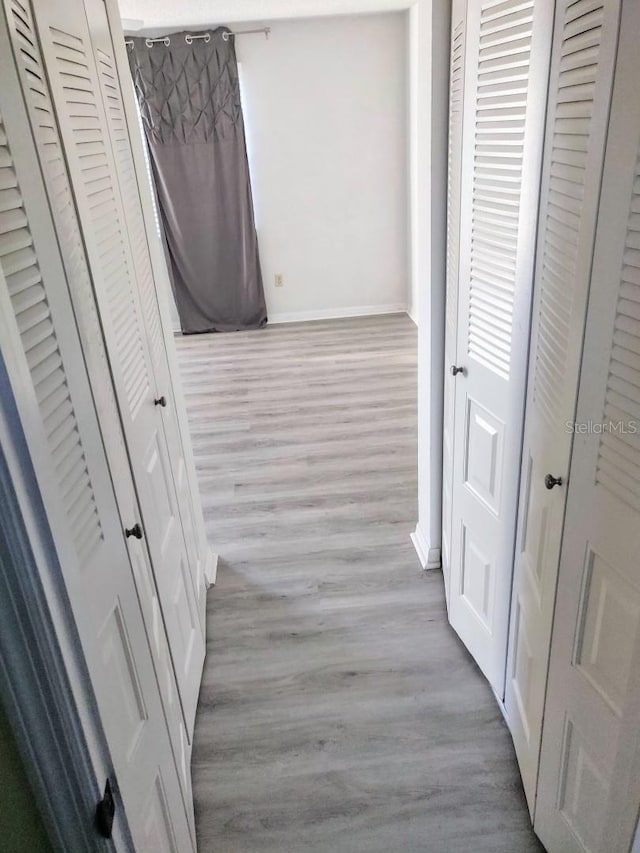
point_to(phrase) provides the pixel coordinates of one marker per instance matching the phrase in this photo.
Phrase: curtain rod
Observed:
(265, 30)
(166, 40)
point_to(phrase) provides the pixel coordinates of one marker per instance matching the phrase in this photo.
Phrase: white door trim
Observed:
(428, 42)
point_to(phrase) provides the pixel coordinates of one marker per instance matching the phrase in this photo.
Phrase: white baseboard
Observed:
(332, 314)
(337, 313)
(429, 557)
(211, 568)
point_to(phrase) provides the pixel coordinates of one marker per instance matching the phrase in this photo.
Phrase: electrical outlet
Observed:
(279, 279)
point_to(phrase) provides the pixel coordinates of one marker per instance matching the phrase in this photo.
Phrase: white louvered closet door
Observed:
(583, 59)
(456, 95)
(110, 87)
(506, 72)
(48, 144)
(42, 352)
(76, 93)
(589, 784)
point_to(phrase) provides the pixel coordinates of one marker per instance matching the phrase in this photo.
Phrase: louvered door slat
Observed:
(563, 227)
(78, 90)
(31, 308)
(581, 79)
(618, 472)
(131, 202)
(505, 50)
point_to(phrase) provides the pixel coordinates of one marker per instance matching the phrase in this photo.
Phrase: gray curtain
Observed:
(189, 98)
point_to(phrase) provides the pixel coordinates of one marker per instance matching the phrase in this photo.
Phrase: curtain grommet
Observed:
(166, 41)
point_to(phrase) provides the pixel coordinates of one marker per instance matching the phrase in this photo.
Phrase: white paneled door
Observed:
(44, 359)
(49, 146)
(505, 83)
(87, 102)
(589, 784)
(583, 59)
(112, 94)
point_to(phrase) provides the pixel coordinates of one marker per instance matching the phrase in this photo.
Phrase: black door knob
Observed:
(135, 531)
(550, 481)
(160, 401)
(105, 812)
(455, 370)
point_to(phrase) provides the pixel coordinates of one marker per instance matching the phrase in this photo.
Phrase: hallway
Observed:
(338, 711)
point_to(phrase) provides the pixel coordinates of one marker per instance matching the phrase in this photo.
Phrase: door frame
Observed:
(429, 49)
(44, 680)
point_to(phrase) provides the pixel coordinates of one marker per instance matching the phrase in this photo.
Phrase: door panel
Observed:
(589, 783)
(483, 455)
(477, 576)
(159, 835)
(585, 38)
(507, 58)
(76, 95)
(127, 708)
(46, 369)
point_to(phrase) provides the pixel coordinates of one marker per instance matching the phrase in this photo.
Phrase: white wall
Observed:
(325, 104)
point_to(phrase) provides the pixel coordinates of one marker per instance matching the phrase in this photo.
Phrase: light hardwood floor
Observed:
(339, 713)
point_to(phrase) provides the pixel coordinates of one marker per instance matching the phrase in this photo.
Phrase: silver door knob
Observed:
(455, 370)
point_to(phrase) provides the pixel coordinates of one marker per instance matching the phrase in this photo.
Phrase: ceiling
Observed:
(152, 14)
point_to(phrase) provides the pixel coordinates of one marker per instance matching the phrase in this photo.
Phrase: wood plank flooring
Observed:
(339, 713)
